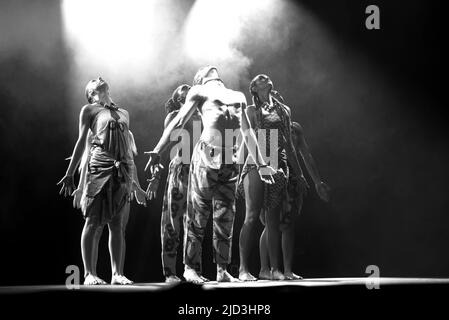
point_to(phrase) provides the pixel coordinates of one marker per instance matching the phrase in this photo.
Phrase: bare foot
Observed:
(204, 279)
(120, 280)
(91, 280)
(277, 275)
(224, 276)
(172, 278)
(265, 275)
(246, 276)
(192, 276)
(291, 276)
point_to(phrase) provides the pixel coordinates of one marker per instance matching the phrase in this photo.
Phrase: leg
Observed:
(116, 240)
(254, 191)
(288, 242)
(223, 222)
(125, 223)
(288, 237)
(224, 214)
(265, 272)
(97, 239)
(89, 249)
(172, 217)
(274, 242)
(199, 207)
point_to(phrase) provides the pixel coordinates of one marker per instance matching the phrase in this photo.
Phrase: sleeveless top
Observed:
(276, 119)
(111, 134)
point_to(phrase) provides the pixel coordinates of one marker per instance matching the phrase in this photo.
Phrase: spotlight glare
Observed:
(213, 26)
(112, 34)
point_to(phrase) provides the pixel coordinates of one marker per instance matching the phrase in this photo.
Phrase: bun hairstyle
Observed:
(176, 100)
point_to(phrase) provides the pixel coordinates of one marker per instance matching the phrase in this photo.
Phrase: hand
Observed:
(77, 194)
(67, 185)
(152, 188)
(266, 174)
(141, 196)
(152, 161)
(323, 190)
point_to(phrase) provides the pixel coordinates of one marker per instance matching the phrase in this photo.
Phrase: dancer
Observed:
(274, 117)
(108, 180)
(293, 208)
(213, 171)
(175, 197)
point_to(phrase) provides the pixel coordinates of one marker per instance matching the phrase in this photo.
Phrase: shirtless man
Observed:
(213, 170)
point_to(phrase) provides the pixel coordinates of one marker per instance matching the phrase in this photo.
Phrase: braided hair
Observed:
(255, 97)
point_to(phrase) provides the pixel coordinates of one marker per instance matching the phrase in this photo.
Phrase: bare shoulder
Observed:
(124, 111)
(239, 95)
(196, 92)
(88, 110)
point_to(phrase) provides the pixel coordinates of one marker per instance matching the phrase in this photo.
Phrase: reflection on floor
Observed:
(213, 285)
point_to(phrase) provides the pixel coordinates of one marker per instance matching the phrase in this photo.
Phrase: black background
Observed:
(380, 143)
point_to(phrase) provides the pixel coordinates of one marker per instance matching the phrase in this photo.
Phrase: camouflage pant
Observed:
(173, 214)
(211, 190)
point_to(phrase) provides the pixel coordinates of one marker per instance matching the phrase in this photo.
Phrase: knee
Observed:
(116, 227)
(272, 222)
(250, 220)
(287, 229)
(92, 225)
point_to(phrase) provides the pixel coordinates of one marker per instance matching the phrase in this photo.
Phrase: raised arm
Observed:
(68, 185)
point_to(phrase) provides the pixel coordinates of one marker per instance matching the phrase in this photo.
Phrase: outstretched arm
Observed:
(67, 181)
(302, 147)
(183, 116)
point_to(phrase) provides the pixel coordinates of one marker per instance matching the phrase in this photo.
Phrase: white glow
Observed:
(113, 36)
(213, 26)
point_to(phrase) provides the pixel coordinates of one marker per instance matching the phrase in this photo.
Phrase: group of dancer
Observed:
(205, 176)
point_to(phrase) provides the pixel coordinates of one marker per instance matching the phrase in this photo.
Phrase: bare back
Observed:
(221, 109)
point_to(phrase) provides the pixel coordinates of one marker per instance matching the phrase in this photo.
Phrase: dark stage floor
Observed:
(350, 297)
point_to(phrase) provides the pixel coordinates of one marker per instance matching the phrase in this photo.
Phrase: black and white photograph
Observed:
(223, 159)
